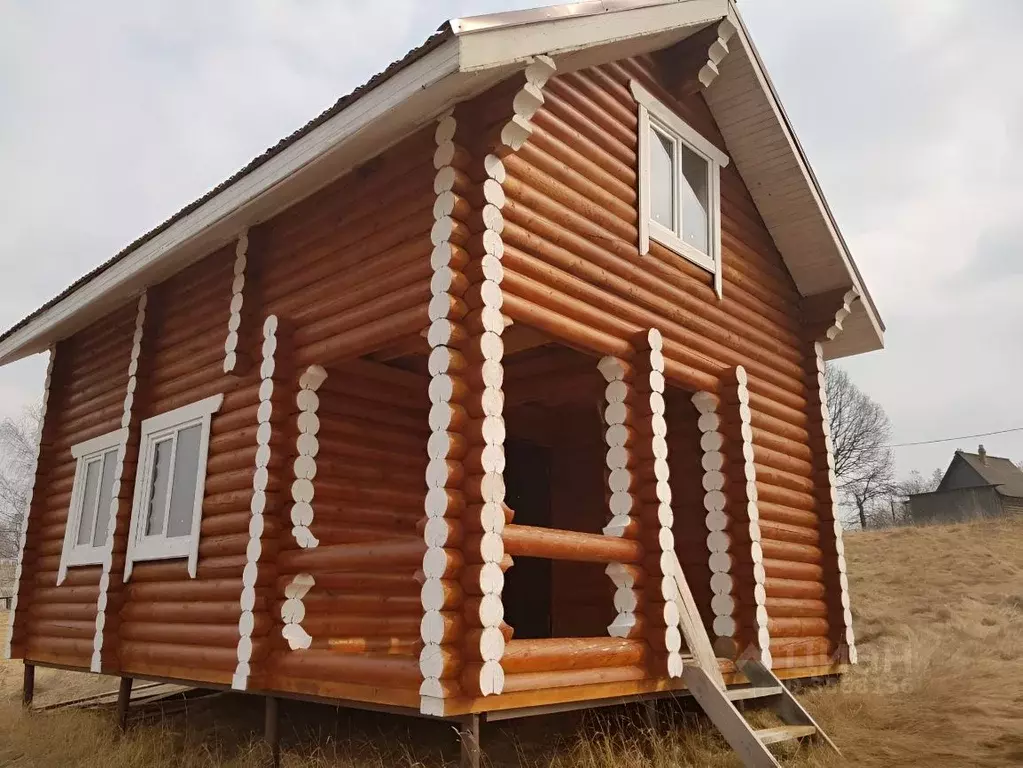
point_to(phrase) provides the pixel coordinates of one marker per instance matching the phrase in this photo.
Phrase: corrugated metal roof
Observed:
(415, 54)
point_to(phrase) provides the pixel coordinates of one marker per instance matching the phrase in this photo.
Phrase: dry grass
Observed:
(939, 616)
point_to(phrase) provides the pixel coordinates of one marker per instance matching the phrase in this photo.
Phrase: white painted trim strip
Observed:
(526, 103)
(835, 528)
(622, 503)
(12, 617)
(234, 322)
(115, 499)
(293, 612)
(446, 444)
(716, 53)
(650, 393)
(257, 506)
(715, 504)
(307, 447)
(753, 515)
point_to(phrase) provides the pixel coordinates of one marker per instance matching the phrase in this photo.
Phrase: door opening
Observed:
(527, 586)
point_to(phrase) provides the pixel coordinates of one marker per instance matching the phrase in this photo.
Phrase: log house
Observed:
(418, 409)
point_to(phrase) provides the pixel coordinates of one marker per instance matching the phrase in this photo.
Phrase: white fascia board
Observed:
(500, 46)
(872, 324)
(384, 115)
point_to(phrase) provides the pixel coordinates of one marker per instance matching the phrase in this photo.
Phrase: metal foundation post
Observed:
(123, 700)
(469, 736)
(272, 729)
(28, 684)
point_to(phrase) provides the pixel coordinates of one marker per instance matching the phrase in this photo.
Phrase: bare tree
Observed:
(18, 439)
(917, 482)
(861, 434)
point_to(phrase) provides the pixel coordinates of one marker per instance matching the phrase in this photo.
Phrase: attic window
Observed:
(169, 485)
(679, 186)
(85, 536)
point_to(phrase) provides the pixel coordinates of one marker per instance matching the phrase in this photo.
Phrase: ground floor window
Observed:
(90, 512)
(169, 484)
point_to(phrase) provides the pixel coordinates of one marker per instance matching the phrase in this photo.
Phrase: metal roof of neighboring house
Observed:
(999, 472)
(463, 58)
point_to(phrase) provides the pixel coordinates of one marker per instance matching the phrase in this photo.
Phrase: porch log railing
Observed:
(553, 544)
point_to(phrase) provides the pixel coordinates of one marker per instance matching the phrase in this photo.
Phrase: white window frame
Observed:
(74, 554)
(656, 113)
(146, 548)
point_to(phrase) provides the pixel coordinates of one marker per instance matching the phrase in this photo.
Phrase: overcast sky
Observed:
(115, 115)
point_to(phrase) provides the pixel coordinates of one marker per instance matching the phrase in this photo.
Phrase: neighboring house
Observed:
(548, 298)
(975, 485)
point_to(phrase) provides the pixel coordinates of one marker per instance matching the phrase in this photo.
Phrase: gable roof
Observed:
(994, 470)
(464, 58)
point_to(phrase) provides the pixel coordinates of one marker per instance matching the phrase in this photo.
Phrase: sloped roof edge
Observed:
(462, 59)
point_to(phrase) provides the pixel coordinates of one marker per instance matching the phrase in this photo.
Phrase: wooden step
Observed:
(754, 692)
(785, 733)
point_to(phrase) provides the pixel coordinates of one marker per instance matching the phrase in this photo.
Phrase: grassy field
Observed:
(939, 617)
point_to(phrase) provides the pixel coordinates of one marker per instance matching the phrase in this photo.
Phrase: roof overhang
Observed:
(464, 59)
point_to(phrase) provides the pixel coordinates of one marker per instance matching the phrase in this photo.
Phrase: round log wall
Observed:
(572, 269)
(172, 625)
(57, 624)
(361, 612)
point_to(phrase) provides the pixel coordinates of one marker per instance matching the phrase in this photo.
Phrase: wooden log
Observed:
(358, 341)
(530, 541)
(556, 654)
(193, 613)
(378, 669)
(729, 348)
(396, 646)
(215, 590)
(784, 532)
(784, 607)
(212, 635)
(351, 556)
(83, 630)
(533, 681)
(794, 626)
(61, 611)
(134, 653)
(799, 553)
(801, 646)
(361, 624)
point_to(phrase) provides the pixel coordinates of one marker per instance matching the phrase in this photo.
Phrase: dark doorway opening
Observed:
(527, 587)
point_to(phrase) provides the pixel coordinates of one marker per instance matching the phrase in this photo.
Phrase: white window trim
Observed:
(73, 554)
(651, 107)
(153, 429)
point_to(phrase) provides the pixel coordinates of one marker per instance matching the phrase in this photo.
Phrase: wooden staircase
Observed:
(765, 691)
(703, 678)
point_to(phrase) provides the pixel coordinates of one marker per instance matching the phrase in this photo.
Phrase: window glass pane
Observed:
(186, 470)
(158, 483)
(662, 182)
(695, 200)
(92, 472)
(106, 493)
